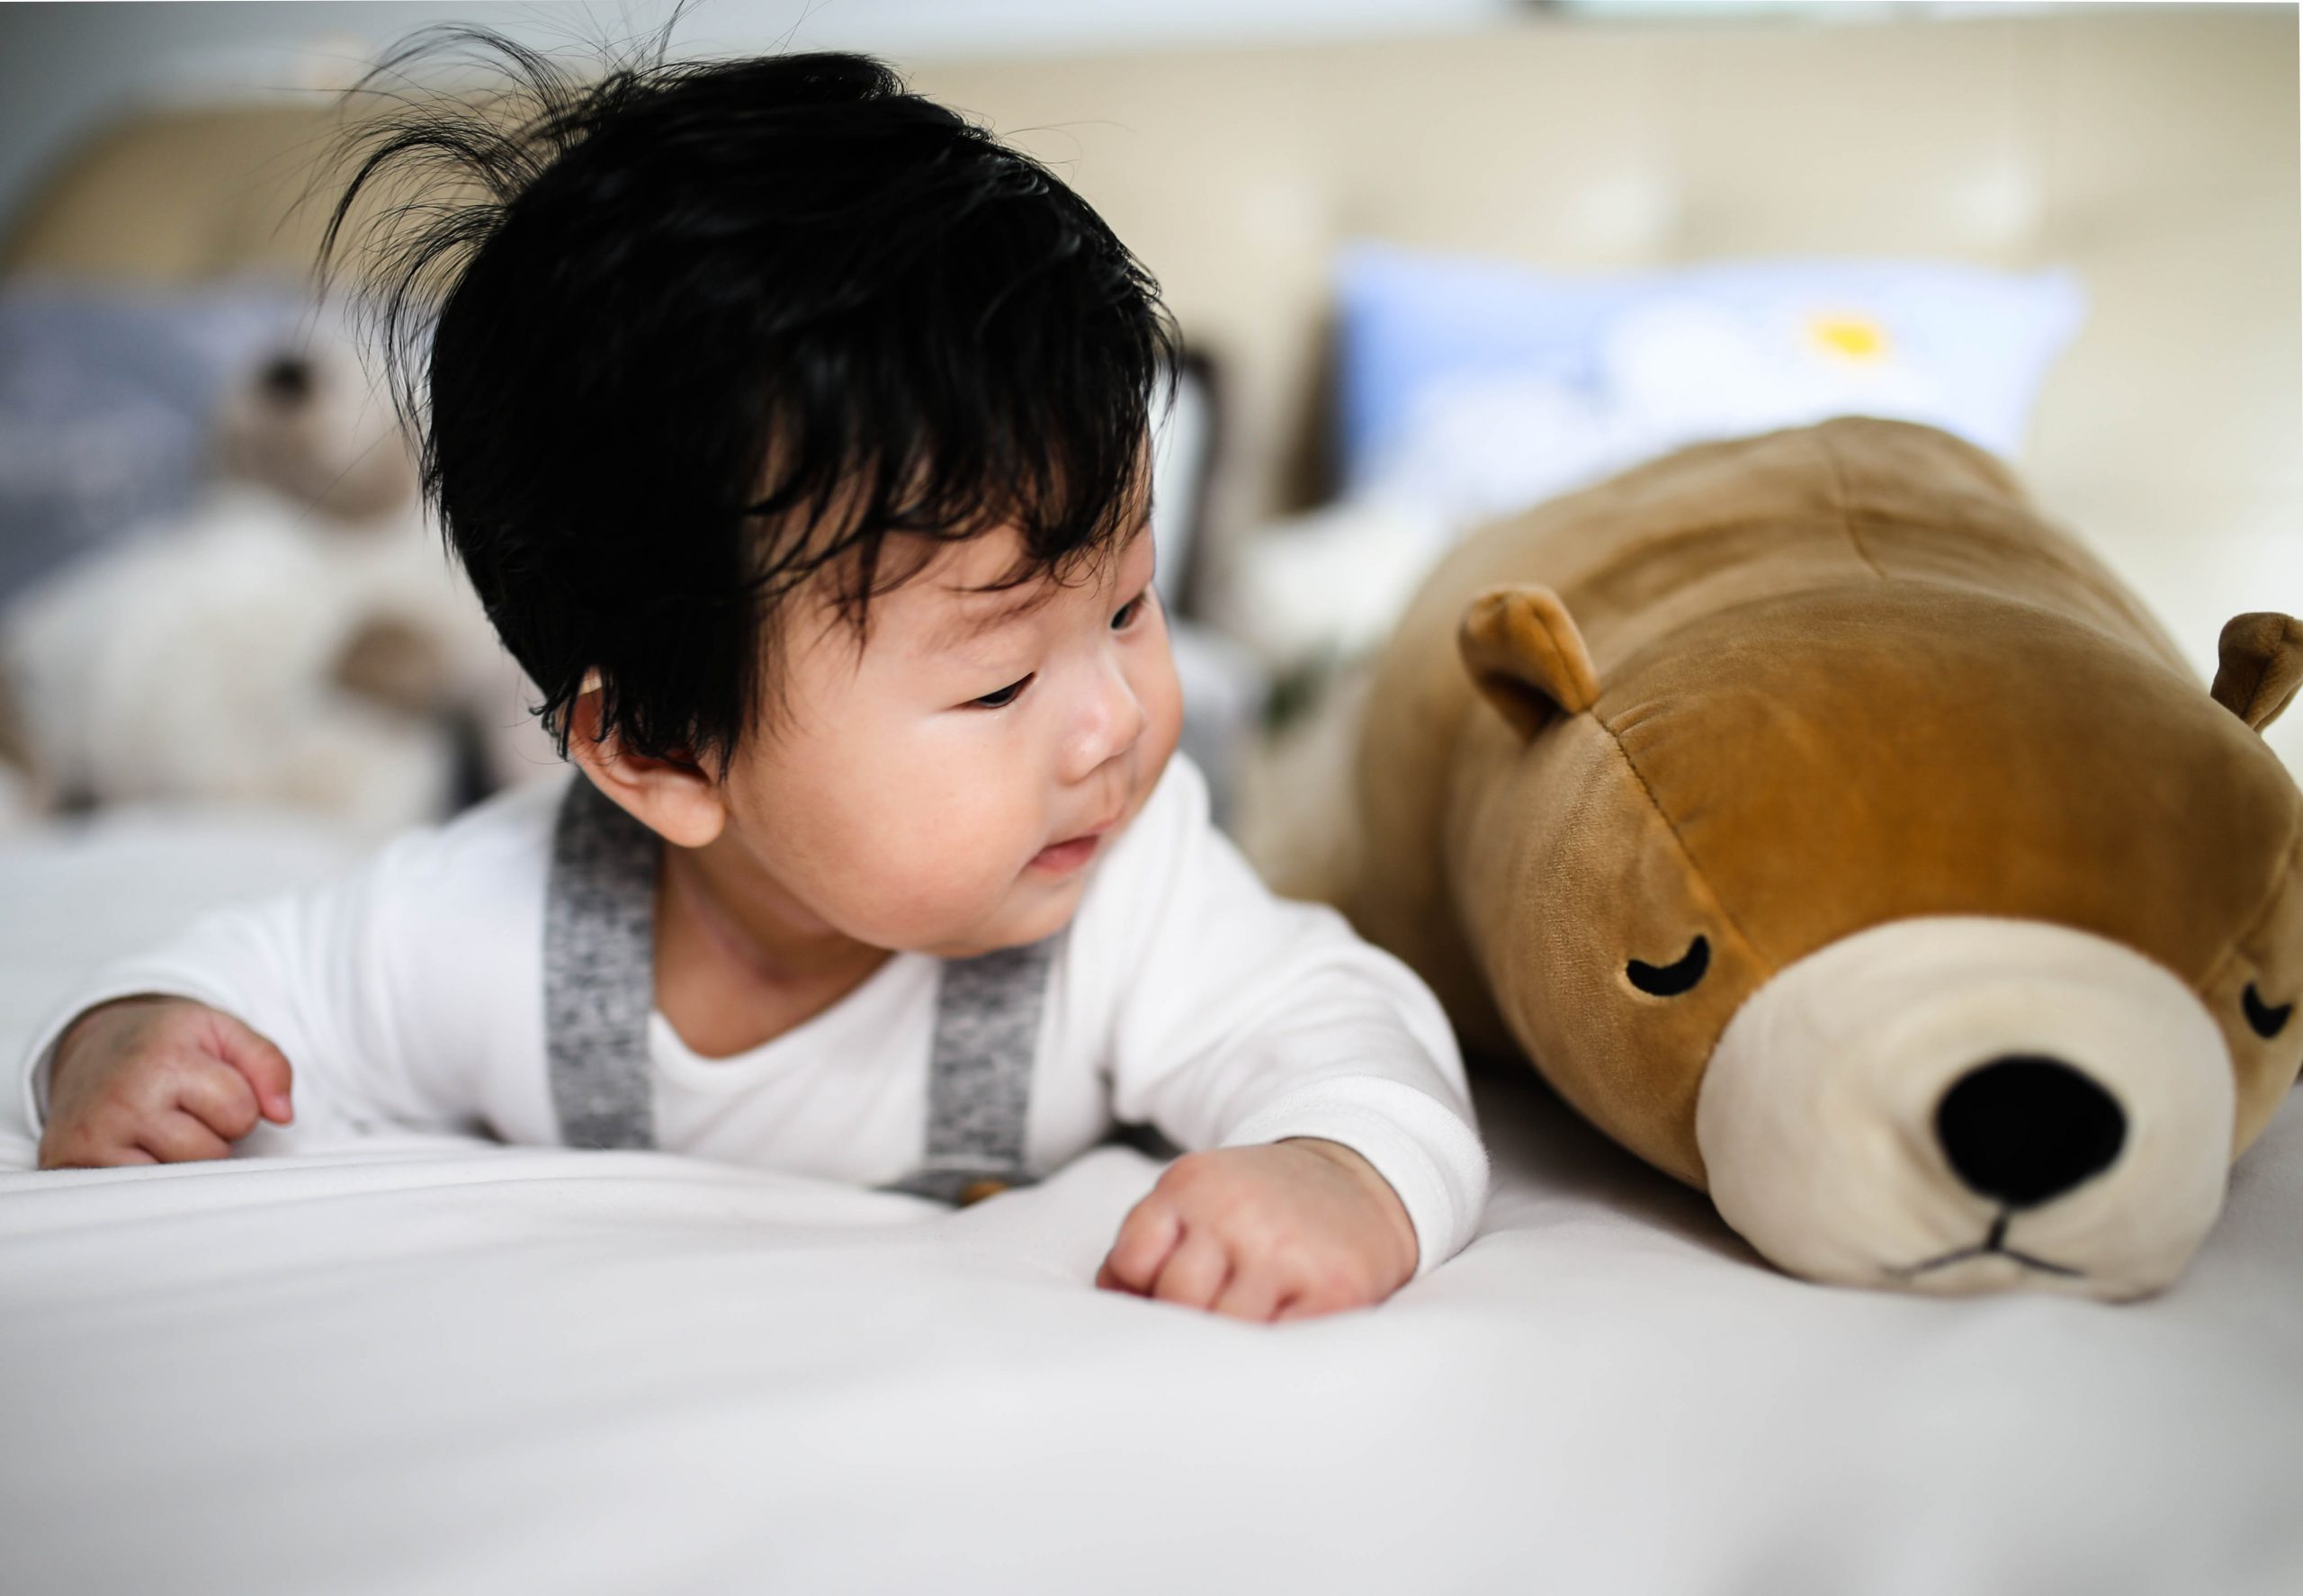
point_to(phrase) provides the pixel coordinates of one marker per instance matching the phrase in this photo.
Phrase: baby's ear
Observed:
(1526, 656)
(676, 798)
(2260, 665)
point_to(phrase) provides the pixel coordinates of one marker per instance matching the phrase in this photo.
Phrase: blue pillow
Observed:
(1474, 388)
(107, 400)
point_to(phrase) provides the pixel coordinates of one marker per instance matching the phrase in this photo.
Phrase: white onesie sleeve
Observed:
(1241, 1018)
(394, 991)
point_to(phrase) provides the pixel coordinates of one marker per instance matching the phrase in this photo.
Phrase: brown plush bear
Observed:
(1839, 837)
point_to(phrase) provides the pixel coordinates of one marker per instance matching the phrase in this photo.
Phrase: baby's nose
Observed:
(1115, 719)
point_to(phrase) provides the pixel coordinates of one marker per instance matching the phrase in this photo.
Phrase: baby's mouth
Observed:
(1061, 859)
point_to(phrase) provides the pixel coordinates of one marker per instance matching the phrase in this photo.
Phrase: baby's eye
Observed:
(1124, 616)
(1004, 697)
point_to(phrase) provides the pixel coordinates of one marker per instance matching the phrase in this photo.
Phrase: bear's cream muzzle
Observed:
(1953, 1104)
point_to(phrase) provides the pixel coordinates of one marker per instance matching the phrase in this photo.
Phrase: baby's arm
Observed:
(1317, 1076)
(354, 996)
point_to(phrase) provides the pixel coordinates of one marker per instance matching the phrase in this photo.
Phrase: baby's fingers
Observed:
(265, 1068)
(1146, 1237)
(1253, 1294)
(1196, 1273)
(221, 1098)
(180, 1139)
(90, 1148)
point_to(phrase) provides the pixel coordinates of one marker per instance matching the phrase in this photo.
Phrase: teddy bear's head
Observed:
(1950, 941)
(308, 422)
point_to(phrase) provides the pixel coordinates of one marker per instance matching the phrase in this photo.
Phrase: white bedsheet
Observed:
(442, 1366)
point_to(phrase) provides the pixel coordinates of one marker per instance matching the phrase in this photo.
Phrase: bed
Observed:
(416, 1366)
(426, 1364)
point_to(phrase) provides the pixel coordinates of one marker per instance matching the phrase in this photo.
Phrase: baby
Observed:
(793, 433)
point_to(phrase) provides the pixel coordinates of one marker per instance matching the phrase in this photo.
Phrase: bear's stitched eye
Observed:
(1669, 981)
(2267, 1022)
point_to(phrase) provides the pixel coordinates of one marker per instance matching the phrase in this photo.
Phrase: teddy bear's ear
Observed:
(2259, 667)
(1526, 656)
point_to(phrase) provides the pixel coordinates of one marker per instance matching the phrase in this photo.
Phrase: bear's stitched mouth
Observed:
(1994, 1244)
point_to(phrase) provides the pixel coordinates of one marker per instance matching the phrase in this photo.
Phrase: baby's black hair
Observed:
(694, 332)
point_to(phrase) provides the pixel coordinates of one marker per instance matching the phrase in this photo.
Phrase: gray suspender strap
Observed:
(599, 982)
(599, 971)
(980, 1076)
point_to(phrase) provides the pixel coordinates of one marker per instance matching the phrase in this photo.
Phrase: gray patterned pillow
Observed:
(106, 400)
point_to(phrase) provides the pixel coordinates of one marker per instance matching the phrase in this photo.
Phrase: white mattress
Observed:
(443, 1366)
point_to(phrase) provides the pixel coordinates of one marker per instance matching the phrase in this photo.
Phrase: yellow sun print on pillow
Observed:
(1855, 338)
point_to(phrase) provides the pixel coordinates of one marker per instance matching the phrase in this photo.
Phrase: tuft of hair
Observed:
(674, 337)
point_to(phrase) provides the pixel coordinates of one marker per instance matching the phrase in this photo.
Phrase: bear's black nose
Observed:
(288, 380)
(2023, 1129)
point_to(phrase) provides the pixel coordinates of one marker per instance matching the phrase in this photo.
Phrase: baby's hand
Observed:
(153, 1080)
(1287, 1231)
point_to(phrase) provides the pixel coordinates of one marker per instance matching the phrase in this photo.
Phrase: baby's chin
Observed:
(1035, 909)
(1043, 893)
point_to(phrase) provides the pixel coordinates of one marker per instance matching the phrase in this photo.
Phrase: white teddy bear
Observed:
(300, 638)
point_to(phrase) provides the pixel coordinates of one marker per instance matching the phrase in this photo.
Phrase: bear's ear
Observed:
(1526, 656)
(2259, 666)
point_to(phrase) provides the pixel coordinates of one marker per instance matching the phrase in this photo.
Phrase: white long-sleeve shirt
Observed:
(1186, 996)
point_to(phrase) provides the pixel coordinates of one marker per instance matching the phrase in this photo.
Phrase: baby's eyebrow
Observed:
(973, 623)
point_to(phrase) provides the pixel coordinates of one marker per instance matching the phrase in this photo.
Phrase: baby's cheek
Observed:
(1162, 697)
(915, 887)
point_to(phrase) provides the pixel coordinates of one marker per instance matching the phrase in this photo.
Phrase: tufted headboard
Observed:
(2154, 150)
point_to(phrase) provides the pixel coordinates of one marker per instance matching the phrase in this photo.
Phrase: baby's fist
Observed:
(154, 1079)
(1287, 1231)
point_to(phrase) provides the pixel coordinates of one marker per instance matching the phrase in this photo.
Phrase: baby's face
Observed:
(948, 785)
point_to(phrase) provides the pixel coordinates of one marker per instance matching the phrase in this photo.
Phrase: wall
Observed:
(65, 68)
